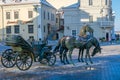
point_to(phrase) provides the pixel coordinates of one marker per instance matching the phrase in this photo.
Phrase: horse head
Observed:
(96, 50)
(97, 47)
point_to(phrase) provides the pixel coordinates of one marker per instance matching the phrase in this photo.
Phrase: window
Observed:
(73, 32)
(18, 0)
(30, 29)
(56, 20)
(52, 17)
(16, 15)
(44, 28)
(48, 16)
(16, 29)
(3, 0)
(90, 2)
(30, 14)
(106, 2)
(8, 29)
(7, 15)
(44, 14)
(91, 19)
(31, 37)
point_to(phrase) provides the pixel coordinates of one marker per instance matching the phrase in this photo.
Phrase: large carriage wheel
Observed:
(49, 59)
(24, 61)
(8, 58)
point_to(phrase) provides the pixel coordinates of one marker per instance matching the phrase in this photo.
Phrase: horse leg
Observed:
(66, 56)
(82, 55)
(86, 56)
(79, 55)
(61, 55)
(90, 58)
(70, 56)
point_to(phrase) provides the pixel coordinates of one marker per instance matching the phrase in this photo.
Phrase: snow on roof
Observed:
(2, 2)
(46, 3)
(76, 5)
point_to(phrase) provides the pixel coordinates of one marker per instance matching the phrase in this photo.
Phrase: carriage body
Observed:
(23, 52)
(18, 43)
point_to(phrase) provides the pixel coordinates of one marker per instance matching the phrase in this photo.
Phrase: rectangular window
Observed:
(56, 20)
(90, 2)
(44, 14)
(106, 2)
(48, 16)
(7, 15)
(30, 14)
(30, 29)
(16, 15)
(52, 17)
(3, 0)
(91, 19)
(8, 29)
(44, 28)
(16, 29)
(31, 37)
(73, 32)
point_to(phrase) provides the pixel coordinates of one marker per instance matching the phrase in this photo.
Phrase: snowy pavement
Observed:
(105, 67)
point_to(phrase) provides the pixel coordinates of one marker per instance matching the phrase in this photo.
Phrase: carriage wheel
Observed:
(24, 61)
(8, 58)
(51, 59)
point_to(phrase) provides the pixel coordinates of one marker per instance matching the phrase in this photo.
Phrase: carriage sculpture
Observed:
(22, 54)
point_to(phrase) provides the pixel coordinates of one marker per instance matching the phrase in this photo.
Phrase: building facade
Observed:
(97, 13)
(28, 18)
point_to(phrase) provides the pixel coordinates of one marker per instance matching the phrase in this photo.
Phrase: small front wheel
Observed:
(51, 59)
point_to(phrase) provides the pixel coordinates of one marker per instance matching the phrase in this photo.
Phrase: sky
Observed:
(115, 6)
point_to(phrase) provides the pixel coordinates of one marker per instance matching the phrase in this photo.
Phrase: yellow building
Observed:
(28, 18)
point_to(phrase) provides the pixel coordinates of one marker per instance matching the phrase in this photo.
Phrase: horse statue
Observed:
(68, 43)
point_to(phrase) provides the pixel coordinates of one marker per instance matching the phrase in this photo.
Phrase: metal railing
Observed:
(106, 24)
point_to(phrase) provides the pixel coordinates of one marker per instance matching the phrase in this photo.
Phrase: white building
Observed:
(28, 18)
(97, 13)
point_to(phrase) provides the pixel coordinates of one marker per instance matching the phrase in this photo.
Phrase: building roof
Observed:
(7, 2)
(75, 5)
(46, 3)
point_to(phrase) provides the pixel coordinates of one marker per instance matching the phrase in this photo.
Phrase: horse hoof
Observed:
(64, 63)
(68, 63)
(82, 61)
(91, 62)
(79, 60)
(86, 63)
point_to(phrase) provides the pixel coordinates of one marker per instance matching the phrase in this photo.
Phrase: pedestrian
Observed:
(113, 38)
